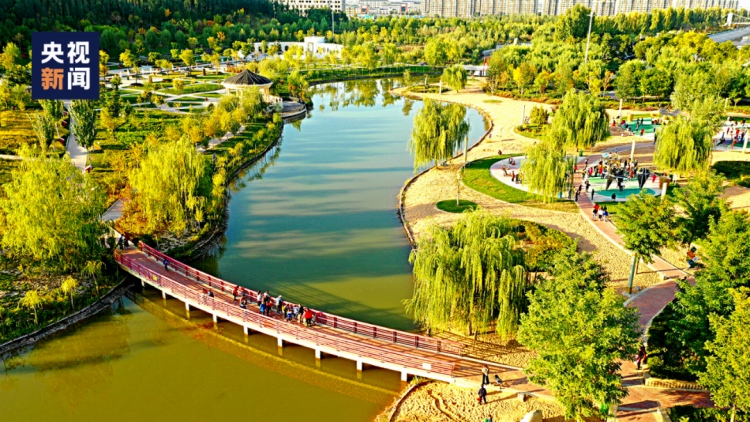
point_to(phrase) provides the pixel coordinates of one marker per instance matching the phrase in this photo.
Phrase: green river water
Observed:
(315, 221)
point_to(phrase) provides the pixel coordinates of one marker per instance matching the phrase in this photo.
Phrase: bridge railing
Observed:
(345, 324)
(227, 310)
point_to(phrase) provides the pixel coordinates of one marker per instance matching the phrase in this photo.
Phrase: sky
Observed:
(744, 4)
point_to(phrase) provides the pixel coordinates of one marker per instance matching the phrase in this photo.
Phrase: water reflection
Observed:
(320, 226)
(150, 357)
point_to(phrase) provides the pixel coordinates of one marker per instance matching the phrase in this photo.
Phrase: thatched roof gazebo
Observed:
(246, 79)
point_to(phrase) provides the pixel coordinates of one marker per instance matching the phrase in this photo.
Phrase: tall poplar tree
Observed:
(83, 125)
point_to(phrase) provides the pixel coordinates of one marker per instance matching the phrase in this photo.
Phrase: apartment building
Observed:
(304, 5)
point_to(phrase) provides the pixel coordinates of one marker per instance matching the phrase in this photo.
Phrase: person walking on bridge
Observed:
(166, 263)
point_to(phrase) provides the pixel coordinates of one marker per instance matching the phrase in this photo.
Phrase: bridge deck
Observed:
(366, 347)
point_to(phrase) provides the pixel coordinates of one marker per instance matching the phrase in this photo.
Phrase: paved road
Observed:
(730, 35)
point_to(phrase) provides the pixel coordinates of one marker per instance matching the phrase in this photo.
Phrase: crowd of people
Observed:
(734, 134)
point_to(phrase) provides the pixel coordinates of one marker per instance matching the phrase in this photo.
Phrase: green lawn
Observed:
(478, 177)
(532, 131)
(449, 205)
(737, 172)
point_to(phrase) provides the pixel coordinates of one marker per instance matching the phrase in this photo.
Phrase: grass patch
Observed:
(16, 130)
(449, 205)
(532, 131)
(492, 101)
(700, 414)
(478, 177)
(737, 172)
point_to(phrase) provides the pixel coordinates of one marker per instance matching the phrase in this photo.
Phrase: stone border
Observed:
(98, 306)
(400, 207)
(649, 381)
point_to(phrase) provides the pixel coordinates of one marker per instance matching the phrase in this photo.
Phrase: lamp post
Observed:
(588, 38)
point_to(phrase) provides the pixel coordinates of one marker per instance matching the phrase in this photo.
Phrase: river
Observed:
(315, 221)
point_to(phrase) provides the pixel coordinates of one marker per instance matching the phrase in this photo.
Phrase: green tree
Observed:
(11, 56)
(684, 146)
(467, 275)
(68, 287)
(583, 120)
(128, 59)
(647, 224)
(656, 83)
(454, 77)
(524, 75)
(297, 85)
(438, 131)
(54, 111)
(435, 52)
(171, 186)
(693, 83)
(546, 167)
(539, 116)
(188, 57)
(93, 269)
(727, 373)
(44, 129)
(32, 300)
(51, 213)
(628, 81)
(725, 267)
(702, 205)
(83, 113)
(580, 332)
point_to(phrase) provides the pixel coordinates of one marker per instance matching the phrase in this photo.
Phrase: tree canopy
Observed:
(51, 213)
(684, 146)
(580, 332)
(582, 119)
(727, 373)
(438, 132)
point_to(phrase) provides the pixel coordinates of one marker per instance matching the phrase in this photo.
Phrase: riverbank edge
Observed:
(357, 78)
(64, 323)
(206, 243)
(203, 246)
(400, 210)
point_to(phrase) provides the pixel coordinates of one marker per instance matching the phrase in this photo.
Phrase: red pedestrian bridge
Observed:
(367, 344)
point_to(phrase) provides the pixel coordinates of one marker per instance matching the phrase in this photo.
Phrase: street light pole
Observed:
(333, 22)
(588, 38)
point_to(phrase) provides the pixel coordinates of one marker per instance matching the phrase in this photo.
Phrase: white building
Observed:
(303, 5)
(311, 45)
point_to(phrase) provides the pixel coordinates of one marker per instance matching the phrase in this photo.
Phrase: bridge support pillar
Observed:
(404, 376)
(216, 319)
(163, 294)
(143, 283)
(245, 330)
(187, 306)
(318, 354)
(360, 365)
(280, 342)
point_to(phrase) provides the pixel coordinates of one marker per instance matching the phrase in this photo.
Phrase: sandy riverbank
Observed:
(440, 184)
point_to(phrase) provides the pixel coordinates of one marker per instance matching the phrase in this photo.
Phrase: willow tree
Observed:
(469, 276)
(171, 186)
(580, 122)
(454, 77)
(684, 146)
(545, 167)
(50, 213)
(583, 118)
(438, 131)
